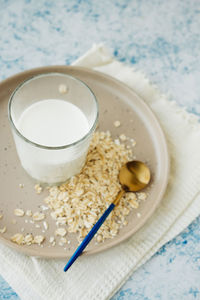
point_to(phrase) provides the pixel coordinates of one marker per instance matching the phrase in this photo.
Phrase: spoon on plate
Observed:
(133, 176)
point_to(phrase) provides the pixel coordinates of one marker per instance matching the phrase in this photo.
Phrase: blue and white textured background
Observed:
(159, 37)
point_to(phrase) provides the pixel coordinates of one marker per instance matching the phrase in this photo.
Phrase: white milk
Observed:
(52, 123)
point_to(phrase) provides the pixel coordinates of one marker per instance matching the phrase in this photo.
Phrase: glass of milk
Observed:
(53, 117)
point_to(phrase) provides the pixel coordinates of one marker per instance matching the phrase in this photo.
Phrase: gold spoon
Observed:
(133, 176)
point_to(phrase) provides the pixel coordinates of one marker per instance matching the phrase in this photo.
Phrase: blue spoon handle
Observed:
(88, 237)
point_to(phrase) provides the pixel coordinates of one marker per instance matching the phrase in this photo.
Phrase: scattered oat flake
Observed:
(18, 238)
(37, 226)
(29, 213)
(53, 215)
(28, 239)
(62, 88)
(46, 225)
(3, 230)
(61, 231)
(142, 196)
(99, 238)
(22, 229)
(38, 188)
(38, 216)
(125, 222)
(19, 212)
(138, 215)
(134, 203)
(43, 207)
(38, 239)
(62, 220)
(117, 142)
(1, 216)
(117, 123)
(51, 239)
(133, 142)
(122, 137)
(62, 241)
(21, 185)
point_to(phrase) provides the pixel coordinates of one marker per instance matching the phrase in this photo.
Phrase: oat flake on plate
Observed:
(82, 200)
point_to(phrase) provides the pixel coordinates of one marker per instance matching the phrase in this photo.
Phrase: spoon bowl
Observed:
(134, 176)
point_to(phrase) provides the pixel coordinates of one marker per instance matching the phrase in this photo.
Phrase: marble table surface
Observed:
(158, 37)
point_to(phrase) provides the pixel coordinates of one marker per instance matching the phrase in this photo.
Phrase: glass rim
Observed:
(26, 81)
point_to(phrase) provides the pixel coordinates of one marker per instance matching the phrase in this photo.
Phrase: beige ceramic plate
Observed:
(117, 102)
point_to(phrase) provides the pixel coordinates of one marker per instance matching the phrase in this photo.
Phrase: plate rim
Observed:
(102, 247)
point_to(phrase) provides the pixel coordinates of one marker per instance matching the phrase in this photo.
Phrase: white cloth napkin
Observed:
(100, 276)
